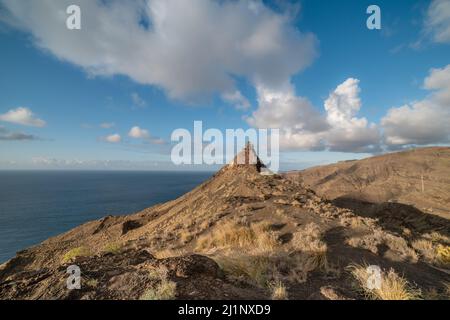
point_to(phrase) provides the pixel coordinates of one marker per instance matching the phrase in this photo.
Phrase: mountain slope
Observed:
(419, 177)
(239, 235)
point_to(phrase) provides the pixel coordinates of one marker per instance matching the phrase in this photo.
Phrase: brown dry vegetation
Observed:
(164, 289)
(392, 286)
(266, 258)
(278, 290)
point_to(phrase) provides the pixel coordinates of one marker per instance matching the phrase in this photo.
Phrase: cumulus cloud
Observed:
(191, 49)
(437, 22)
(297, 119)
(349, 133)
(139, 133)
(439, 82)
(237, 99)
(197, 49)
(113, 138)
(343, 103)
(302, 127)
(6, 135)
(281, 108)
(23, 116)
(422, 122)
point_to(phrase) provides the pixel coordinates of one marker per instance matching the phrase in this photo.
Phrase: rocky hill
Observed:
(417, 177)
(239, 235)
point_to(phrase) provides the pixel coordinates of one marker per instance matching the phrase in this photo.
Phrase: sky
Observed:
(110, 95)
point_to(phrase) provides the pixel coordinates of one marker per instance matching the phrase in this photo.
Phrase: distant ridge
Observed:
(420, 177)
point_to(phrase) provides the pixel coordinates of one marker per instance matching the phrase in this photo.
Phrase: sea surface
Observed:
(36, 205)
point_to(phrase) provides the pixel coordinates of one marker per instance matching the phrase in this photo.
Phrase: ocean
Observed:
(36, 205)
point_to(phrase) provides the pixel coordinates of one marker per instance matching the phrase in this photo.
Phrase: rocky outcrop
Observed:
(127, 275)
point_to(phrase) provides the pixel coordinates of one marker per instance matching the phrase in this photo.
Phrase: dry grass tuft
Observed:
(159, 273)
(425, 248)
(164, 290)
(443, 255)
(279, 291)
(437, 237)
(257, 269)
(437, 254)
(393, 286)
(76, 252)
(256, 237)
(355, 222)
(93, 283)
(113, 248)
(265, 259)
(312, 250)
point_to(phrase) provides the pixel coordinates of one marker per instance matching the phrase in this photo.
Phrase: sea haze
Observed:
(36, 205)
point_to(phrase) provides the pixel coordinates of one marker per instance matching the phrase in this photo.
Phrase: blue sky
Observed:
(378, 70)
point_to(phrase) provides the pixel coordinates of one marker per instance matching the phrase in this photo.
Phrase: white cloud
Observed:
(23, 116)
(295, 116)
(139, 133)
(422, 122)
(191, 49)
(437, 22)
(243, 40)
(418, 123)
(302, 127)
(113, 138)
(237, 99)
(439, 82)
(137, 100)
(107, 125)
(349, 133)
(343, 103)
(340, 129)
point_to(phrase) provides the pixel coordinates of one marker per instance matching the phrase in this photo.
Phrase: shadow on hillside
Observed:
(341, 255)
(339, 252)
(16, 264)
(396, 217)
